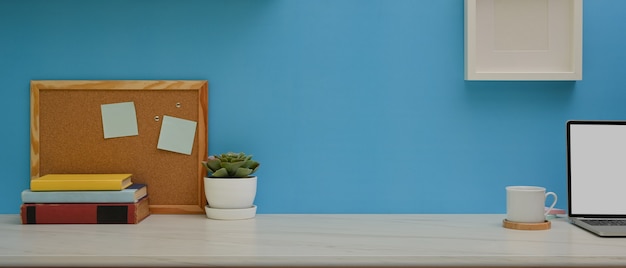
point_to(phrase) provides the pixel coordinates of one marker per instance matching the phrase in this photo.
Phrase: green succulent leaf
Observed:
(248, 163)
(213, 164)
(220, 173)
(255, 167)
(243, 172)
(232, 167)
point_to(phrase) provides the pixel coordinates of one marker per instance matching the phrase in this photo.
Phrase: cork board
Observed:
(67, 136)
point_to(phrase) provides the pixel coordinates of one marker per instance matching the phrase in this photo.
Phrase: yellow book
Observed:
(81, 182)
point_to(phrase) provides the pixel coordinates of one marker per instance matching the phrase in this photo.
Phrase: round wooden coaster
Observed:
(526, 226)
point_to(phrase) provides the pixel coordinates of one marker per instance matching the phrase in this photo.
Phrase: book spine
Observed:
(85, 213)
(37, 185)
(124, 196)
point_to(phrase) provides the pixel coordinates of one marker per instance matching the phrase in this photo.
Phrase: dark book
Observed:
(85, 213)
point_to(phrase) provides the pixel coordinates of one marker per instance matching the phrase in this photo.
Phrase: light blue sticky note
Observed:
(177, 135)
(119, 120)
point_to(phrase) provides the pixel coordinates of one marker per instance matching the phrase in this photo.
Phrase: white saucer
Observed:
(230, 214)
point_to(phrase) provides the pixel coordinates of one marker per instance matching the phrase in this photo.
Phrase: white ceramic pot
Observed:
(230, 193)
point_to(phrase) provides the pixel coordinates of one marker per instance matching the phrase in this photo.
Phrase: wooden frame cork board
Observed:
(67, 136)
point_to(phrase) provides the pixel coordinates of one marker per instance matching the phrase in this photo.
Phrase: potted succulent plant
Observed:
(230, 186)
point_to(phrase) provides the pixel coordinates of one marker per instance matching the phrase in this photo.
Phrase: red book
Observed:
(85, 213)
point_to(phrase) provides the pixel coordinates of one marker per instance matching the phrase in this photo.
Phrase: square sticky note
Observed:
(119, 120)
(177, 135)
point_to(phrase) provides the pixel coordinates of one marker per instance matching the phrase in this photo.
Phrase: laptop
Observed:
(596, 176)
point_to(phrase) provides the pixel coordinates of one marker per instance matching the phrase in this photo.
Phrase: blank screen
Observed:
(597, 169)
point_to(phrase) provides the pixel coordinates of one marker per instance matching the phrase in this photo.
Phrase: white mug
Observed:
(527, 204)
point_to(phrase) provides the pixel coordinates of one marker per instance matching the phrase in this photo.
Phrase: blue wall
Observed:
(351, 106)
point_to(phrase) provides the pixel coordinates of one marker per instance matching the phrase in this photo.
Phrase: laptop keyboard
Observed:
(607, 222)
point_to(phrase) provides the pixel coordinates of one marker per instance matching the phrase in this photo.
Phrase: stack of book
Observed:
(84, 199)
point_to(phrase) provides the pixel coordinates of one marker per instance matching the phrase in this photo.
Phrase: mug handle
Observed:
(553, 202)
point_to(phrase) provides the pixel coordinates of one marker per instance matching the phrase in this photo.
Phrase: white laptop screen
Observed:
(597, 168)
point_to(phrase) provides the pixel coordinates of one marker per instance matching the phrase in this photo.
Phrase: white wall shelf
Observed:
(523, 39)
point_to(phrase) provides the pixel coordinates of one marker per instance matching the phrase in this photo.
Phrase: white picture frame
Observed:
(523, 40)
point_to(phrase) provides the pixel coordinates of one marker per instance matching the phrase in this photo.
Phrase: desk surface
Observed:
(306, 240)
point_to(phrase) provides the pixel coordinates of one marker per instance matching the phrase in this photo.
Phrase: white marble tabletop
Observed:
(307, 240)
